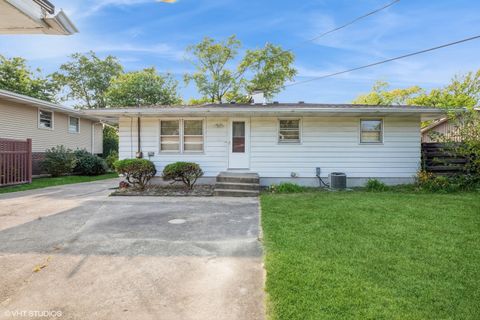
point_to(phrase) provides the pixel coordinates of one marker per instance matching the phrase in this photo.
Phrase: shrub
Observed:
(59, 161)
(375, 185)
(443, 184)
(138, 172)
(111, 159)
(286, 187)
(186, 172)
(89, 164)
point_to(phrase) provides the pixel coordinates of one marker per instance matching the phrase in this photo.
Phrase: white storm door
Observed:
(239, 144)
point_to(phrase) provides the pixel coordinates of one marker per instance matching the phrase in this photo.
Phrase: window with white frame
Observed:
(45, 119)
(289, 130)
(170, 135)
(371, 131)
(192, 135)
(73, 125)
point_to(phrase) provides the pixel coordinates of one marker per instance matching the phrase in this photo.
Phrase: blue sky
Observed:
(144, 33)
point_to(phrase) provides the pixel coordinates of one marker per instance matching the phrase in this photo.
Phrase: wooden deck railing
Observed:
(15, 161)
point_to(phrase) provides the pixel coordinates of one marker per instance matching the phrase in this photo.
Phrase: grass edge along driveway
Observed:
(38, 183)
(361, 255)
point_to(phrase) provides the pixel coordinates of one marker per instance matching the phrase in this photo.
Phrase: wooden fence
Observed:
(438, 160)
(15, 162)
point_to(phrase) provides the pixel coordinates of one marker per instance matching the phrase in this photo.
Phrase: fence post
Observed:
(29, 159)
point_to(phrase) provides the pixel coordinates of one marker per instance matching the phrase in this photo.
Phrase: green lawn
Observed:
(360, 255)
(50, 182)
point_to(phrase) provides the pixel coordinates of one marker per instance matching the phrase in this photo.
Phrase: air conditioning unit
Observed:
(338, 180)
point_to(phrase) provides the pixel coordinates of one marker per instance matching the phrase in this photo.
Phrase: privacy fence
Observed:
(440, 161)
(15, 161)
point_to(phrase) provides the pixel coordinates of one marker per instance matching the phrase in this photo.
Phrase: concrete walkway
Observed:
(74, 250)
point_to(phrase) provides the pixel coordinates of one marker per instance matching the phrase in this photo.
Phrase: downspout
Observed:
(139, 154)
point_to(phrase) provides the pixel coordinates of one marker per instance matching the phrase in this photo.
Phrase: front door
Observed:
(239, 154)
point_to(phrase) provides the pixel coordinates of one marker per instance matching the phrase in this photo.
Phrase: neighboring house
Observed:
(443, 128)
(33, 17)
(48, 125)
(279, 142)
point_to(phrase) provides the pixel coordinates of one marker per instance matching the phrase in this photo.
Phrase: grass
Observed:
(368, 255)
(50, 182)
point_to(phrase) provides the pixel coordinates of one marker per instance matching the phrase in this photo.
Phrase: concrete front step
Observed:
(237, 186)
(238, 177)
(236, 193)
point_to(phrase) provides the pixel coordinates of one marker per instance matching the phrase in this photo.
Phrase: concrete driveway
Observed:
(75, 252)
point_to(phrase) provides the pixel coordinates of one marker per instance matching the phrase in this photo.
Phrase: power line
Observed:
(351, 22)
(384, 61)
(338, 28)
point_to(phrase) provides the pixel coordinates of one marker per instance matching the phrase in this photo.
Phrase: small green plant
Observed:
(89, 164)
(429, 182)
(59, 161)
(375, 185)
(185, 172)
(286, 187)
(138, 172)
(111, 159)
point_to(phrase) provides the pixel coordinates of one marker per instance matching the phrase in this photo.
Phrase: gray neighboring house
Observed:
(48, 125)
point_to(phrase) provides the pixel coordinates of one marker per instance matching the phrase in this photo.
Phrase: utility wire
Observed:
(351, 22)
(384, 61)
(337, 28)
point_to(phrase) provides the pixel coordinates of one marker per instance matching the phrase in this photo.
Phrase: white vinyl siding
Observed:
(331, 143)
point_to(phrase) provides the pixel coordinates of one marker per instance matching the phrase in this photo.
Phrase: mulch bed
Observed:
(202, 190)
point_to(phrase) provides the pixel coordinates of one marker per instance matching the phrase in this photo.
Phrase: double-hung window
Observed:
(192, 135)
(181, 135)
(73, 125)
(289, 131)
(170, 135)
(45, 119)
(371, 131)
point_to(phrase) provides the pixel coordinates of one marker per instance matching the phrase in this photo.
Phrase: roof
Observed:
(439, 122)
(272, 109)
(37, 103)
(33, 17)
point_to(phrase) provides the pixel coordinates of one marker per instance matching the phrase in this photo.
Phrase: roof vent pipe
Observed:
(258, 97)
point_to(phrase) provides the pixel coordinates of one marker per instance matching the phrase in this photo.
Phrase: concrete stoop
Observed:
(233, 184)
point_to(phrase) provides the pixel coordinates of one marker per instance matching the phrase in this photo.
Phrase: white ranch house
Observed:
(279, 142)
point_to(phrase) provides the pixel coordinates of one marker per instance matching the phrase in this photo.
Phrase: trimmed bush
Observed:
(59, 161)
(137, 172)
(186, 172)
(375, 185)
(89, 164)
(286, 187)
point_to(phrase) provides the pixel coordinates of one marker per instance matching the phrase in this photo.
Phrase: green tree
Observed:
(381, 94)
(218, 79)
(463, 91)
(142, 88)
(87, 77)
(17, 77)
(110, 140)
